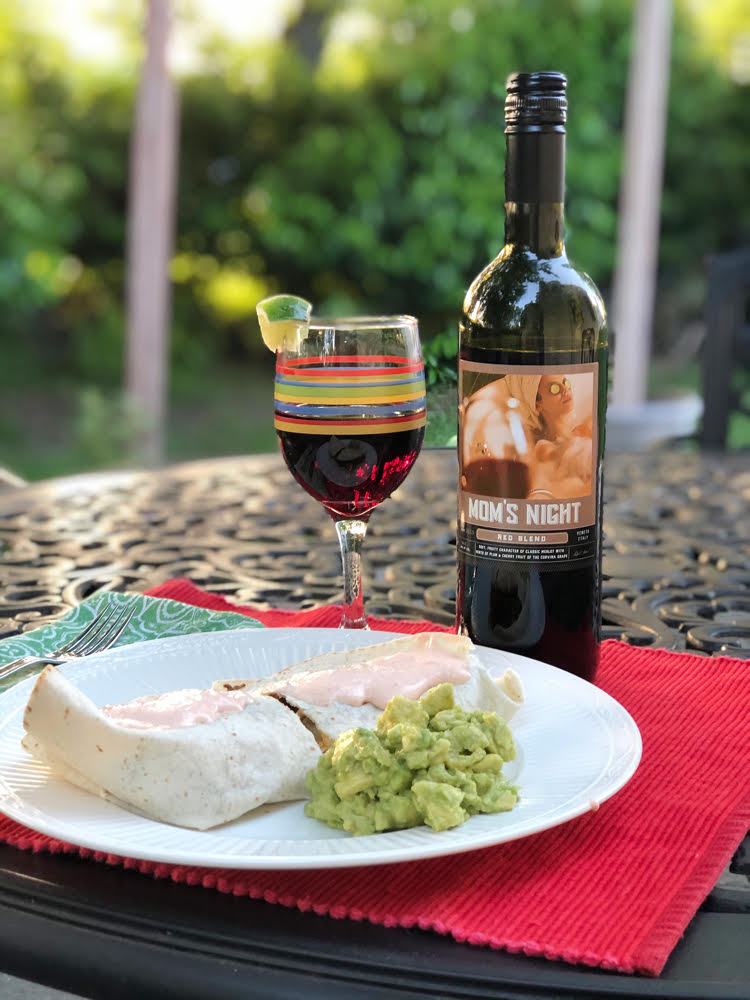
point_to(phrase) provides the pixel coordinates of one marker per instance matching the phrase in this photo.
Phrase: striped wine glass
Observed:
(350, 415)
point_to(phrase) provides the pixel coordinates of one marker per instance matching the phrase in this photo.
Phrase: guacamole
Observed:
(428, 761)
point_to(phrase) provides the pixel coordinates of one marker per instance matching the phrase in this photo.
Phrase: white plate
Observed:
(576, 747)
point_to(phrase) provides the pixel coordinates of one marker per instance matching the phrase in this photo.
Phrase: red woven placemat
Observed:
(614, 888)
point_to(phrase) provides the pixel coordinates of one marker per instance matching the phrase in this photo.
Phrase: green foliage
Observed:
(105, 429)
(361, 169)
(441, 376)
(63, 168)
(441, 416)
(439, 355)
(738, 431)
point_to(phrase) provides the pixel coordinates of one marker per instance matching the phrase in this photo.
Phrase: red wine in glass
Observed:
(349, 401)
(350, 475)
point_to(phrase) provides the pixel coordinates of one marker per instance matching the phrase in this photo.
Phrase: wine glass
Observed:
(349, 401)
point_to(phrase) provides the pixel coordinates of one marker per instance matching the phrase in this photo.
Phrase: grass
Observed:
(230, 413)
(36, 430)
(55, 428)
(59, 428)
(669, 377)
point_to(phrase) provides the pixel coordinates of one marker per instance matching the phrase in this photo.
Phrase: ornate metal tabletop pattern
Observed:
(676, 563)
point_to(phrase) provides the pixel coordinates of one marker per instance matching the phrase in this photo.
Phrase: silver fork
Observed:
(101, 632)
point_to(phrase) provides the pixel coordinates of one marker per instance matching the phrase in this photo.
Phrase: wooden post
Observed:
(639, 209)
(151, 210)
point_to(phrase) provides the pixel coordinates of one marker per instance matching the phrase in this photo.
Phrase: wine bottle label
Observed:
(527, 452)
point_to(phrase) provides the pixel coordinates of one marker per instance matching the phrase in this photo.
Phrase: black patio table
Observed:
(676, 575)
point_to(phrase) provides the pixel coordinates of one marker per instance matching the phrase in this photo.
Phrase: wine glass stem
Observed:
(351, 536)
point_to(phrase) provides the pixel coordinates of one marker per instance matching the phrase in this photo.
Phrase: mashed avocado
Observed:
(428, 761)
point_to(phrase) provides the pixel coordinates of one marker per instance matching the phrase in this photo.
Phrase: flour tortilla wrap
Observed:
(197, 776)
(480, 691)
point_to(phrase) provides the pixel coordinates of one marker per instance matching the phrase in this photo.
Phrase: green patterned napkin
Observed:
(154, 618)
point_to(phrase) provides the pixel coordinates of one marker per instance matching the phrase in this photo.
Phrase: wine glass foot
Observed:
(357, 623)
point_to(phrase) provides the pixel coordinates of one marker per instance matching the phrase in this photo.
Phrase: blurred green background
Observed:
(350, 152)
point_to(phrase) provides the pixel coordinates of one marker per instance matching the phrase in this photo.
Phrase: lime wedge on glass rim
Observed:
(283, 317)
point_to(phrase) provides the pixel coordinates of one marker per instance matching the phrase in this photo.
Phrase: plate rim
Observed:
(15, 807)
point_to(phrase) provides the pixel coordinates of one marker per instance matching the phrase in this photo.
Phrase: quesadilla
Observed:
(335, 692)
(200, 758)
(192, 758)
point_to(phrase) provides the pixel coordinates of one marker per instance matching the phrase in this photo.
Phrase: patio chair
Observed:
(727, 345)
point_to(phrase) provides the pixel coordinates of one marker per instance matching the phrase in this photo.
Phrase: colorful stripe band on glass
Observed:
(346, 394)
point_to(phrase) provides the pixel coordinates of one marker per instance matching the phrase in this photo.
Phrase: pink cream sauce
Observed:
(376, 681)
(176, 709)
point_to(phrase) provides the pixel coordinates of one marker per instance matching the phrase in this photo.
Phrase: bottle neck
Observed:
(535, 191)
(536, 226)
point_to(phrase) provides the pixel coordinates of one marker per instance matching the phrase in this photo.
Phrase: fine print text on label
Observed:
(556, 548)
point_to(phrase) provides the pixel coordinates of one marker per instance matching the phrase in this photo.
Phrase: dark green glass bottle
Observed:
(532, 401)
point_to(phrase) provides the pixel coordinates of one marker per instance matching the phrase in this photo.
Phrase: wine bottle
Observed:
(532, 378)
